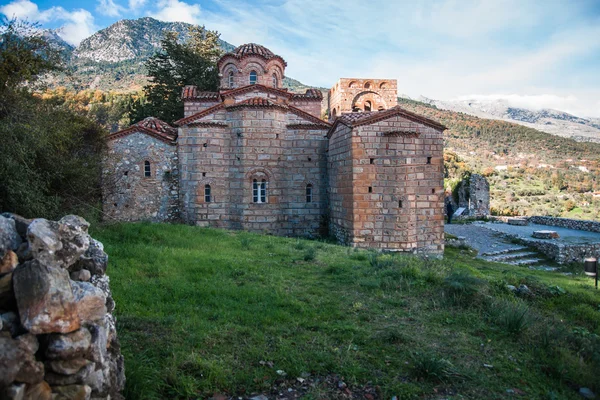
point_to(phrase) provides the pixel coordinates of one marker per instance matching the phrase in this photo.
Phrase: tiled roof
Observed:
(256, 102)
(371, 117)
(251, 49)
(157, 125)
(259, 88)
(192, 93)
(312, 94)
(151, 126)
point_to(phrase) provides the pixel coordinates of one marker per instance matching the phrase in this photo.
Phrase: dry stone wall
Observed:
(590, 226)
(57, 332)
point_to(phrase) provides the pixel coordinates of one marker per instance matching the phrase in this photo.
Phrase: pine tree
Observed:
(175, 66)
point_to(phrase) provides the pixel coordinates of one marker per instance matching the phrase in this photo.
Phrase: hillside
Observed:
(113, 58)
(206, 312)
(530, 172)
(546, 120)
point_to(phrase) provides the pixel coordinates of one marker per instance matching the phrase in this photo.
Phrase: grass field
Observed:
(204, 311)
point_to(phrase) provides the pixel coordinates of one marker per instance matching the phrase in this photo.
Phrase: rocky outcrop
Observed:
(57, 332)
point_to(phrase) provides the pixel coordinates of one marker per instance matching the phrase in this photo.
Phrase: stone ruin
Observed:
(58, 338)
(474, 196)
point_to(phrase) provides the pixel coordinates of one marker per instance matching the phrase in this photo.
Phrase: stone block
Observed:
(44, 298)
(545, 234)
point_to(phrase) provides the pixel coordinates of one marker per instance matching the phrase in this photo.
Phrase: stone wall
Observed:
(352, 93)
(590, 226)
(58, 339)
(479, 195)
(239, 143)
(129, 195)
(386, 182)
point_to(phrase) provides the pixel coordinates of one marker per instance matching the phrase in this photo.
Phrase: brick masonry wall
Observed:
(341, 201)
(396, 196)
(310, 106)
(191, 107)
(349, 92)
(241, 71)
(127, 194)
(254, 143)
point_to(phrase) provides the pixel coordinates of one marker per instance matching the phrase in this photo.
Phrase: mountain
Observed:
(546, 120)
(530, 172)
(113, 58)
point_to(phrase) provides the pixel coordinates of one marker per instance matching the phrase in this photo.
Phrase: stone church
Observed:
(258, 157)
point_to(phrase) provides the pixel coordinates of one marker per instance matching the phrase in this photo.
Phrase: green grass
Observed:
(201, 311)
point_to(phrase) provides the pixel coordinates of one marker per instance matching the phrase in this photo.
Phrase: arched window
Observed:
(309, 193)
(147, 169)
(368, 105)
(333, 113)
(253, 77)
(259, 191)
(207, 194)
(274, 80)
(383, 85)
(352, 84)
(230, 79)
(367, 85)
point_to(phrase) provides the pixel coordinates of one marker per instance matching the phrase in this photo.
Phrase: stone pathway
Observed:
(568, 236)
(493, 246)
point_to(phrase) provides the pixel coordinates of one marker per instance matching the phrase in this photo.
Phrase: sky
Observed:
(531, 53)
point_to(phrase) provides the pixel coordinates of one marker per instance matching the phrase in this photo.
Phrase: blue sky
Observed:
(532, 53)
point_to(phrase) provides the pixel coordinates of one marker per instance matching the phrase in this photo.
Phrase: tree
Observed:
(24, 54)
(51, 156)
(176, 65)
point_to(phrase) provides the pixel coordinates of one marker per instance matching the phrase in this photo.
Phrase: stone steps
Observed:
(509, 256)
(505, 251)
(525, 262)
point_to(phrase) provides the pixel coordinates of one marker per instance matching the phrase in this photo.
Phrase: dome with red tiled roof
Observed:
(252, 49)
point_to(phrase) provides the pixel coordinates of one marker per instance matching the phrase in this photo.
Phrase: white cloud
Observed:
(109, 8)
(438, 48)
(180, 11)
(78, 25)
(135, 5)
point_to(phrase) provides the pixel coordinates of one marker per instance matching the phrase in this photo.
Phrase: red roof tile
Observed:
(151, 126)
(251, 49)
(192, 93)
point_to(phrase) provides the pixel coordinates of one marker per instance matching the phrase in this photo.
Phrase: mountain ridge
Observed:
(547, 120)
(113, 58)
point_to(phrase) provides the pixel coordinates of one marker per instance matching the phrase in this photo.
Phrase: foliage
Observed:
(197, 315)
(530, 172)
(24, 54)
(50, 160)
(177, 65)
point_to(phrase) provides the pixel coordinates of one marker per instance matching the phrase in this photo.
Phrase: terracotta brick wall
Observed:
(255, 144)
(396, 195)
(350, 92)
(341, 199)
(241, 71)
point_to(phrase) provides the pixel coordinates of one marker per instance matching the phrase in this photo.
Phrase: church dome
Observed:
(253, 49)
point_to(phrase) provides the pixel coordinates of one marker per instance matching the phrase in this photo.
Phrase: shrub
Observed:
(245, 242)
(462, 286)
(512, 317)
(430, 366)
(310, 254)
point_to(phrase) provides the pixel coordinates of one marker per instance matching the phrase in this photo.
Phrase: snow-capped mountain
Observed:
(546, 120)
